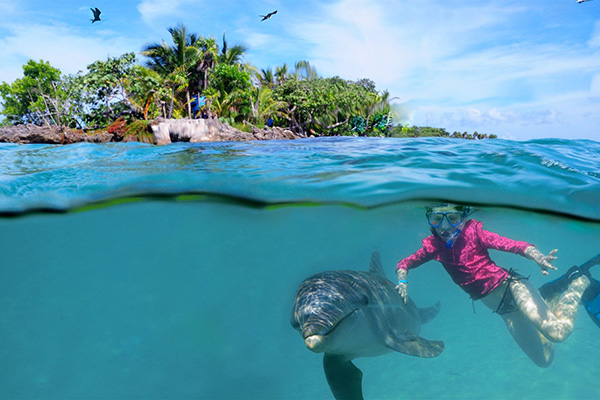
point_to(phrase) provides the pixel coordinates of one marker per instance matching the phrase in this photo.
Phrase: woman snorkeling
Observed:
(534, 320)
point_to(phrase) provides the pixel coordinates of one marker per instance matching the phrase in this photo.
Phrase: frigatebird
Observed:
(96, 14)
(269, 15)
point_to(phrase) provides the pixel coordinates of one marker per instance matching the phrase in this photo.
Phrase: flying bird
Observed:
(582, 1)
(96, 13)
(269, 15)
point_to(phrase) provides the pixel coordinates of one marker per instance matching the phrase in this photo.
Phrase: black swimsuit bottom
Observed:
(508, 304)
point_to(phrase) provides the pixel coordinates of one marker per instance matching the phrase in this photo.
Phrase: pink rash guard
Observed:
(468, 262)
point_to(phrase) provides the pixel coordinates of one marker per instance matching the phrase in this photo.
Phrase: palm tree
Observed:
(281, 73)
(177, 59)
(164, 58)
(209, 56)
(264, 106)
(303, 70)
(266, 78)
(224, 104)
(231, 55)
(176, 80)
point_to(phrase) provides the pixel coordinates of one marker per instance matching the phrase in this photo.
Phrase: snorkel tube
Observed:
(450, 241)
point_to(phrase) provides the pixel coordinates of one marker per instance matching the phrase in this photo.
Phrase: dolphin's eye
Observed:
(365, 300)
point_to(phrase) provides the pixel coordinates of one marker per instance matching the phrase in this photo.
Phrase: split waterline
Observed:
(135, 271)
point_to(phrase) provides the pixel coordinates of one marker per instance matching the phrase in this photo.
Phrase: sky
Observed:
(521, 70)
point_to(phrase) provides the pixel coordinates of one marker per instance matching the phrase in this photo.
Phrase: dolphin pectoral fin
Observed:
(429, 313)
(344, 378)
(414, 345)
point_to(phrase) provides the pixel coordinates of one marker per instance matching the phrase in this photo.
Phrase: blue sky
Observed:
(521, 70)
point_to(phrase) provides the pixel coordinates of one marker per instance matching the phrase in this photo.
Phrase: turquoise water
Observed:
(132, 271)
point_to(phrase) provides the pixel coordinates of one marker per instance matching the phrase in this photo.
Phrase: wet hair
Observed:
(460, 208)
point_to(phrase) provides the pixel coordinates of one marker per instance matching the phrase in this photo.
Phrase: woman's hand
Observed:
(402, 289)
(545, 262)
(402, 286)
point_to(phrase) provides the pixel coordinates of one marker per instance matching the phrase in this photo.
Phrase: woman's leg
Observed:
(539, 349)
(555, 324)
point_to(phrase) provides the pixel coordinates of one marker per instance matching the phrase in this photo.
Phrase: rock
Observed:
(165, 131)
(32, 134)
(28, 134)
(275, 133)
(210, 130)
(77, 137)
(194, 130)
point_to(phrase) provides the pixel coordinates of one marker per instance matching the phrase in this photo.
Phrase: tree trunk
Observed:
(172, 101)
(337, 124)
(189, 101)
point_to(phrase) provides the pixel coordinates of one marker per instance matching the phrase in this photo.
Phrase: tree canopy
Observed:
(40, 97)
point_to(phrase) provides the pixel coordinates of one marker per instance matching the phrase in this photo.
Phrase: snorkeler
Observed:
(534, 320)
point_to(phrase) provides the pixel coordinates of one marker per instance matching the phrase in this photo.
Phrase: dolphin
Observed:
(351, 314)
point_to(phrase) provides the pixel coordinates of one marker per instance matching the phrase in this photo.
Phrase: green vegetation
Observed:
(118, 93)
(426, 131)
(41, 97)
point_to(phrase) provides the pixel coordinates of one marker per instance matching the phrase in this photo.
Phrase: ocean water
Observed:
(132, 271)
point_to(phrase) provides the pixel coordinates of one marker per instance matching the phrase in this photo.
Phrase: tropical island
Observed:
(194, 90)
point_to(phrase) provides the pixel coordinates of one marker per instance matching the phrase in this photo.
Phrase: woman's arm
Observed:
(492, 240)
(422, 255)
(545, 262)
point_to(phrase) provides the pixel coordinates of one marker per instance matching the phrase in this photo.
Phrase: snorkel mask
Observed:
(447, 221)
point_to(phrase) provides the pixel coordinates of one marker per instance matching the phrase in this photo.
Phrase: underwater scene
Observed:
(132, 271)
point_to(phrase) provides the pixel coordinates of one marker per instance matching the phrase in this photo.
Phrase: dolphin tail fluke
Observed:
(429, 313)
(414, 345)
(344, 378)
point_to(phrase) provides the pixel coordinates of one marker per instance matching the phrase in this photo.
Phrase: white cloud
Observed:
(63, 47)
(7, 7)
(358, 39)
(155, 10)
(595, 87)
(595, 37)
(257, 40)
(472, 67)
(561, 116)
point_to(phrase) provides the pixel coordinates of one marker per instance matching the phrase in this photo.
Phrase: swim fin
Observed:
(591, 301)
(591, 297)
(553, 289)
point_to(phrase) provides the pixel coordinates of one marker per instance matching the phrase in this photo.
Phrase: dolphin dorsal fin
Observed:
(376, 267)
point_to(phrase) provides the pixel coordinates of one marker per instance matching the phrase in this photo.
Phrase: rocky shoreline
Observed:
(160, 131)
